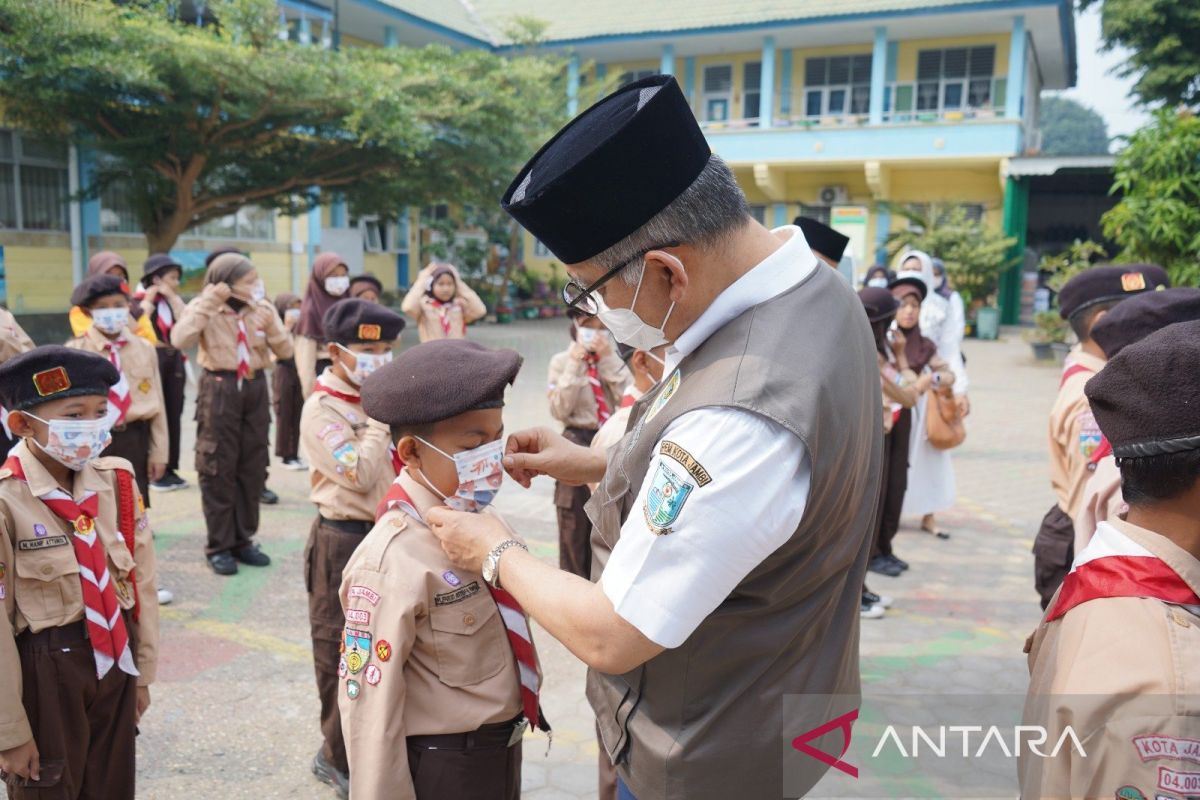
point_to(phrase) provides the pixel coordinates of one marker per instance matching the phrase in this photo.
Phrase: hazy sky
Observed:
(1095, 86)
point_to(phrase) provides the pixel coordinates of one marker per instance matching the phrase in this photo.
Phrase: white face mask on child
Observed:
(364, 364)
(480, 473)
(75, 442)
(110, 320)
(337, 285)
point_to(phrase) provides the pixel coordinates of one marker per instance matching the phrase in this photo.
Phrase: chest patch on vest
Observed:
(674, 451)
(457, 596)
(668, 390)
(668, 492)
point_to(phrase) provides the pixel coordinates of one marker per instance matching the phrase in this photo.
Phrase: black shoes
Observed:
(252, 556)
(885, 565)
(903, 565)
(329, 774)
(268, 497)
(169, 483)
(223, 564)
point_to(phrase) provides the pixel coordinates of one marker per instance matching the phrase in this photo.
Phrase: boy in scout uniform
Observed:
(1117, 657)
(439, 673)
(79, 636)
(350, 458)
(160, 302)
(1074, 436)
(135, 403)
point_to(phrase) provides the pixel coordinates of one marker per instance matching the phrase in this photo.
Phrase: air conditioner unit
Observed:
(833, 196)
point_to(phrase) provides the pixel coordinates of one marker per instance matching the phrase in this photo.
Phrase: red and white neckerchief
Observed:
(105, 625)
(164, 318)
(515, 621)
(1071, 370)
(629, 398)
(1113, 565)
(444, 310)
(593, 374)
(119, 398)
(243, 351)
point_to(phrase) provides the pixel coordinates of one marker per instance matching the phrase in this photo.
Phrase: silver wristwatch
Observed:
(491, 564)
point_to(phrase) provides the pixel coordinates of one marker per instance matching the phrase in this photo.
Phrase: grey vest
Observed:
(705, 720)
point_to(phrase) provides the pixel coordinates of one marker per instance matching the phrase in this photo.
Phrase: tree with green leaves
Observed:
(192, 123)
(1163, 37)
(1158, 177)
(1069, 128)
(975, 255)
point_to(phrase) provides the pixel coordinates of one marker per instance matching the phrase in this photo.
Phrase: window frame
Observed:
(15, 161)
(707, 97)
(847, 89)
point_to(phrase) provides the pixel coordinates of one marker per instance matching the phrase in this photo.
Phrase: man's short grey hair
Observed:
(707, 212)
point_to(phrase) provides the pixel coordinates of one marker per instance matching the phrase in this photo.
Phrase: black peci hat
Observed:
(1138, 317)
(1112, 282)
(355, 321)
(53, 372)
(823, 239)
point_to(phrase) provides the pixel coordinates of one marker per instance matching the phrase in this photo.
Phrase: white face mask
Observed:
(111, 320)
(878, 283)
(585, 336)
(337, 285)
(628, 328)
(480, 473)
(259, 292)
(364, 364)
(75, 442)
(292, 313)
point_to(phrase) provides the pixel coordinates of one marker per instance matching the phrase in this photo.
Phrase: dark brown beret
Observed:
(1138, 317)
(355, 321)
(822, 238)
(220, 251)
(97, 286)
(1147, 399)
(438, 380)
(158, 263)
(1112, 282)
(53, 372)
(879, 303)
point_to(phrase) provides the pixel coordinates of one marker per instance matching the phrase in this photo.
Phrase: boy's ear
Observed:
(19, 424)
(406, 448)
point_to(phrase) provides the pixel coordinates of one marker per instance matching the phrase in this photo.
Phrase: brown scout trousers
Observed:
(132, 442)
(1053, 552)
(325, 557)
(574, 527)
(231, 456)
(83, 727)
(289, 402)
(174, 377)
(466, 766)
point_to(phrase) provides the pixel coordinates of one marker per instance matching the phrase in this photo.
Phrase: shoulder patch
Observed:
(669, 389)
(674, 451)
(664, 500)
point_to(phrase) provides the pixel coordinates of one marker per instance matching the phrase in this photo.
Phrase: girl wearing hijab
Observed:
(285, 390)
(329, 283)
(106, 262)
(236, 330)
(366, 287)
(441, 303)
(878, 277)
(931, 472)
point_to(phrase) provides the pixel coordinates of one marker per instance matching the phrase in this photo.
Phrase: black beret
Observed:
(159, 262)
(220, 251)
(1147, 399)
(1112, 282)
(97, 286)
(879, 303)
(913, 279)
(610, 170)
(822, 238)
(1138, 317)
(438, 380)
(53, 372)
(356, 321)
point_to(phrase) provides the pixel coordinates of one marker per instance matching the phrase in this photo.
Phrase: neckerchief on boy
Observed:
(243, 351)
(444, 314)
(105, 623)
(118, 394)
(593, 374)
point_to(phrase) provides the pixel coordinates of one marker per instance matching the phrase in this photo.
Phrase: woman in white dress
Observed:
(931, 471)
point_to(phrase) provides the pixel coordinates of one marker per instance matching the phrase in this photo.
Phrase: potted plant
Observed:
(1049, 329)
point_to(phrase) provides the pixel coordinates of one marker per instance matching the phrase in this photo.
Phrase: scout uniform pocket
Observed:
(47, 587)
(471, 645)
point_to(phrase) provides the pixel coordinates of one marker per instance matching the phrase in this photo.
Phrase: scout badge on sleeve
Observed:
(668, 492)
(358, 650)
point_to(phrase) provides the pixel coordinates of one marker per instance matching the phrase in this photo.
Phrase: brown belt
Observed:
(496, 734)
(361, 527)
(71, 634)
(232, 373)
(131, 426)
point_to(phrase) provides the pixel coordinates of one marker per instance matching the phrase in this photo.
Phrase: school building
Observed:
(840, 110)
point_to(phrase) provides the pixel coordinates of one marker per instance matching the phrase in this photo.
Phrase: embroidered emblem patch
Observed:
(369, 333)
(373, 675)
(457, 596)
(353, 689)
(346, 454)
(3, 591)
(364, 593)
(358, 616)
(450, 578)
(358, 649)
(1133, 282)
(328, 429)
(42, 544)
(144, 387)
(1173, 780)
(668, 390)
(51, 381)
(668, 492)
(39, 531)
(1152, 746)
(3, 570)
(342, 668)
(1129, 793)
(1090, 435)
(383, 649)
(674, 451)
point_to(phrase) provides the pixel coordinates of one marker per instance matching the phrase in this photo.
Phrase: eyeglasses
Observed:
(579, 297)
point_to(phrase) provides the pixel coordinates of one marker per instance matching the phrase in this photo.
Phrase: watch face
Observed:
(489, 568)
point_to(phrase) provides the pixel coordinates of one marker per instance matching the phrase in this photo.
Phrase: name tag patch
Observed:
(674, 451)
(457, 596)
(42, 544)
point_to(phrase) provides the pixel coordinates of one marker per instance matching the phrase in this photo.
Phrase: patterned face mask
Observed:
(75, 442)
(364, 363)
(480, 473)
(111, 320)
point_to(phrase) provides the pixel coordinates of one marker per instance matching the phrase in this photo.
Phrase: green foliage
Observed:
(1048, 327)
(1069, 263)
(195, 122)
(1070, 128)
(975, 255)
(1164, 37)
(1158, 176)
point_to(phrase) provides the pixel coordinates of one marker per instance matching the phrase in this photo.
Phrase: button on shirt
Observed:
(666, 585)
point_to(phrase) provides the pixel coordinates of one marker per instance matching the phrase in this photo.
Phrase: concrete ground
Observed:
(234, 711)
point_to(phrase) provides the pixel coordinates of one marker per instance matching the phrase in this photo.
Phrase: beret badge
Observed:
(1133, 282)
(51, 381)
(369, 333)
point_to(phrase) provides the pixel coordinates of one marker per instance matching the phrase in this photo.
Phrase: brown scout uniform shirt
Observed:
(139, 362)
(468, 307)
(348, 456)
(13, 339)
(449, 667)
(1134, 665)
(1101, 500)
(1074, 434)
(706, 719)
(41, 584)
(572, 400)
(213, 324)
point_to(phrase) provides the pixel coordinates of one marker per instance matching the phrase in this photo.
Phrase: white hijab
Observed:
(935, 309)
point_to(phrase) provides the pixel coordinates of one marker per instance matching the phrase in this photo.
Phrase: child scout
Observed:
(79, 637)
(439, 676)
(1117, 657)
(1074, 436)
(159, 300)
(351, 467)
(135, 404)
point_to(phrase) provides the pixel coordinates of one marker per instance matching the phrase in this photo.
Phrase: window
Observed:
(633, 75)
(837, 86)
(540, 250)
(955, 79)
(33, 183)
(718, 93)
(249, 222)
(752, 91)
(116, 214)
(819, 213)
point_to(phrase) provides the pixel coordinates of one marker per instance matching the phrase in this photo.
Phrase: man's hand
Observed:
(143, 702)
(22, 761)
(466, 538)
(156, 470)
(541, 451)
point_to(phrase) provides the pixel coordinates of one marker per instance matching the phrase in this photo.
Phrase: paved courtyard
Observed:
(234, 711)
